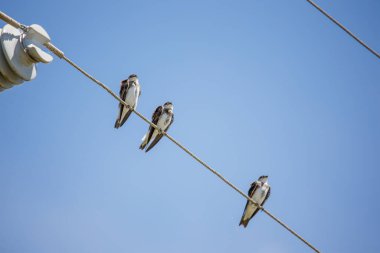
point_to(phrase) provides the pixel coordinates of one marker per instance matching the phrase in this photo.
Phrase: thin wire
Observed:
(61, 55)
(344, 28)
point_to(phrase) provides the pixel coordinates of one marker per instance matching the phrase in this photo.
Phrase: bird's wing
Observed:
(155, 117)
(124, 86)
(252, 189)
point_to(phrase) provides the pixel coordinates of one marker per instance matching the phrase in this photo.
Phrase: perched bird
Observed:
(162, 117)
(129, 93)
(259, 192)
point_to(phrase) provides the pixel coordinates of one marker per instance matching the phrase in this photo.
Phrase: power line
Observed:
(344, 28)
(61, 55)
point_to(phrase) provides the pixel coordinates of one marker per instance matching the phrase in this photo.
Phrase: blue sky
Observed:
(259, 87)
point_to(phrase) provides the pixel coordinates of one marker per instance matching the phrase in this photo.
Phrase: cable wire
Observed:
(61, 55)
(344, 28)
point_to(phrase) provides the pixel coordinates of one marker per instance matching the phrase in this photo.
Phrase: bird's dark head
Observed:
(133, 78)
(168, 106)
(263, 179)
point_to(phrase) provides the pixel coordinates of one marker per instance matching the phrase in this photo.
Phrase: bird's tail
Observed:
(243, 222)
(117, 123)
(154, 142)
(144, 141)
(125, 116)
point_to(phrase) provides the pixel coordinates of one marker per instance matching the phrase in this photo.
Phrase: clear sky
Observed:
(259, 87)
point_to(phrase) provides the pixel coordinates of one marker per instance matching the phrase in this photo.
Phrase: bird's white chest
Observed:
(164, 121)
(260, 193)
(131, 95)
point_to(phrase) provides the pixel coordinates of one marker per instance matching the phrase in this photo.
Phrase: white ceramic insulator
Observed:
(20, 52)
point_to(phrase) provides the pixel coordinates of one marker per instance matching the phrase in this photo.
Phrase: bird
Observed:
(162, 117)
(130, 92)
(259, 192)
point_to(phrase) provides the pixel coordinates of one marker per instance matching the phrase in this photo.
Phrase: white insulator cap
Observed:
(34, 40)
(20, 52)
